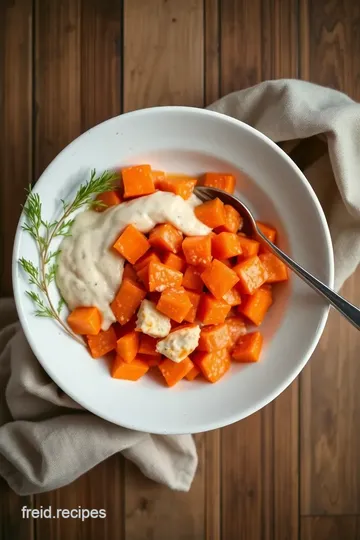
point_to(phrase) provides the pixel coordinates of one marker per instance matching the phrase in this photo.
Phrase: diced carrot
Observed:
(166, 237)
(233, 220)
(85, 320)
(143, 276)
(211, 213)
(236, 327)
(176, 262)
(157, 177)
(180, 185)
(226, 182)
(137, 181)
(276, 269)
(227, 262)
(129, 272)
(194, 299)
(146, 259)
(127, 346)
(148, 345)
(213, 365)
(193, 373)
(192, 279)
(211, 310)
(219, 279)
(225, 245)
(173, 372)
(129, 371)
(131, 244)
(175, 303)
(233, 297)
(127, 300)
(268, 231)
(152, 361)
(256, 306)
(252, 274)
(102, 343)
(249, 247)
(107, 199)
(197, 250)
(248, 348)
(161, 277)
(214, 337)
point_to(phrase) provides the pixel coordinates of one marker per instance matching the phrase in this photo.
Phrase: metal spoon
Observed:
(348, 310)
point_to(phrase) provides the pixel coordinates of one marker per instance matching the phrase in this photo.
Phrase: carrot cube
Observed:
(145, 260)
(233, 220)
(192, 279)
(161, 277)
(194, 299)
(252, 274)
(175, 303)
(211, 213)
(225, 245)
(152, 361)
(214, 337)
(143, 276)
(106, 199)
(211, 310)
(173, 372)
(226, 182)
(127, 300)
(268, 231)
(276, 269)
(157, 177)
(197, 250)
(248, 348)
(249, 247)
(127, 346)
(213, 365)
(236, 327)
(193, 373)
(131, 244)
(176, 262)
(85, 320)
(102, 343)
(166, 237)
(137, 181)
(256, 306)
(147, 345)
(219, 279)
(129, 371)
(129, 272)
(180, 185)
(233, 297)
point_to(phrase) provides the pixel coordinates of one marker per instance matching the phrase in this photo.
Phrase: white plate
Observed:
(189, 140)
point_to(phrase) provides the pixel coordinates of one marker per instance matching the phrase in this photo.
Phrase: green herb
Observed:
(44, 232)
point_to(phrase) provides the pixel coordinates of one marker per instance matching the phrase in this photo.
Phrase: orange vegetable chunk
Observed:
(268, 231)
(85, 320)
(176, 262)
(276, 269)
(146, 259)
(197, 250)
(193, 373)
(180, 185)
(226, 245)
(219, 279)
(214, 337)
(211, 310)
(226, 182)
(128, 345)
(161, 277)
(127, 300)
(158, 176)
(173, 372)
(236, 327)
(131, 244)
(256, 306)
(143, 276)
(252, 274)
(147, 345)
(211, 213)
(129, 272)
(192, 279)
(129, 371)
(249, 247)
(137, 181)
(175, 303)
(213, 365)
(102, 343)
(233, 297)
(233, 221)
(248, 348)
(166, 237)
(107, 199)
(194, 299)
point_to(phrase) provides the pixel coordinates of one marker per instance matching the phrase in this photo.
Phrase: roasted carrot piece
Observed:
(128, 345)
(161, 277)
(256, 306)
(236, 327)
(197, 250)
(275, 268)
(175, 303)
(143, 276)
(211, 310)
(249, 247)
(248, 348)
(252, 274)
(268, 231)
(233, 220)
(173, 372)
(166, 237)
(85, 320)
(102, 343)
(146, 259)
(214, 337)
(194, 299)
(107, 199)
(147, 345)
(213, 365)
(127, 300)
(233, 297)
(176, 262)
(193, 373)
(226, 182)
(157, 177)
(129, 272)
(152, 361)
(219, 279)
(211, 213)
(129, 371)
(137, 181)
(192, 279)
(131, 244)
(225, 245)
(180, 185)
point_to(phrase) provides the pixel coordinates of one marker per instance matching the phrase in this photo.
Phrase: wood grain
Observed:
(330, 528)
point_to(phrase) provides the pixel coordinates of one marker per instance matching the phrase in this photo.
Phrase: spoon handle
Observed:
(348, 310)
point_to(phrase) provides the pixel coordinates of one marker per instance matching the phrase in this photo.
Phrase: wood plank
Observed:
(329, 528)
(330, 401)
(212, 51)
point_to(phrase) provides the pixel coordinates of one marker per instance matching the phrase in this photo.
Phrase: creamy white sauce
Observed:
(90, 271)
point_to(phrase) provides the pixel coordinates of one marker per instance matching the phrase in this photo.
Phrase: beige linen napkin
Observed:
(46, 439)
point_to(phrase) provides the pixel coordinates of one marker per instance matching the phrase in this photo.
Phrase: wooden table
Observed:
(291, 471)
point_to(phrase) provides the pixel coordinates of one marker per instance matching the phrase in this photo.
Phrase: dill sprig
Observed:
(44, 232)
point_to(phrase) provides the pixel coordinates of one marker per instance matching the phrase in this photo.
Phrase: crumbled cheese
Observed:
(180, 343)
(151, 322)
